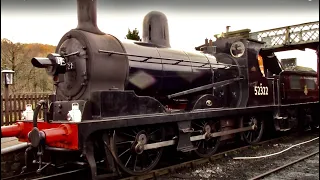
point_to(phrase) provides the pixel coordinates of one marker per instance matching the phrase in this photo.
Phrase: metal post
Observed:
(6, 101)
(318, 67)
(7, 76)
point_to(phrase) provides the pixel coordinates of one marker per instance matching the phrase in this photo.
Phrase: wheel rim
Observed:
(127, 145)
(253, 136)
(206, 147)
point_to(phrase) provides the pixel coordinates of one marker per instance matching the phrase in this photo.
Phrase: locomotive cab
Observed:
(270, 64)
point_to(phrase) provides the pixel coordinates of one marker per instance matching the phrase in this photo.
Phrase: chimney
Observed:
(87, 16)
(210, 42)
(227, 29)
(206, 41)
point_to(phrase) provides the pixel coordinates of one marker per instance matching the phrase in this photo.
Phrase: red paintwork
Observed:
(177, 106)
(57, 134)
(13, 130)
(290, 96)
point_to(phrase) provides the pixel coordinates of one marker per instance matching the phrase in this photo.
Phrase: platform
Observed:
(11, 144)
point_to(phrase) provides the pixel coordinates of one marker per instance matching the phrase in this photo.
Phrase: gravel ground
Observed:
(307, 169)
(228, 168)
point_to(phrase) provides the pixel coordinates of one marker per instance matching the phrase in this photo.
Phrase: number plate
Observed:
(71, 66)
(261, 90)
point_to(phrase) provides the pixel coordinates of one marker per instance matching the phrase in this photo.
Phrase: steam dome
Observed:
(155, 29)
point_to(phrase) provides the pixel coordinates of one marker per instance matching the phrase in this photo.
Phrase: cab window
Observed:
(310, 82)
(295, 82)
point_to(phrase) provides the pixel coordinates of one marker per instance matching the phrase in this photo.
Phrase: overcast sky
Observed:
(190, 21)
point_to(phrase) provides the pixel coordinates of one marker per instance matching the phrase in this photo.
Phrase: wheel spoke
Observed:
(198, 125)
(128, 161)
(148, 155)
(128, 134)
(248, 134)
(124, 152)
(125, 142)
(135, 163)
(143, 161)
(154, 132)
(250, 137)
(134, 131)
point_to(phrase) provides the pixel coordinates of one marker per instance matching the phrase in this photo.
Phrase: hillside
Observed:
(17, 57)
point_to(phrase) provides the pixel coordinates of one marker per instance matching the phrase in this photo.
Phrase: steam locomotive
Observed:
(123, 102)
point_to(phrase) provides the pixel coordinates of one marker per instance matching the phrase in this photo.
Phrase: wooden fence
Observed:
(17, 104)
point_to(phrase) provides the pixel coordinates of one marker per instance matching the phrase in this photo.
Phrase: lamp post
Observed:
(7, 76)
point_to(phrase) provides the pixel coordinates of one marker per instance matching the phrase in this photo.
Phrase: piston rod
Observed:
(197, 138)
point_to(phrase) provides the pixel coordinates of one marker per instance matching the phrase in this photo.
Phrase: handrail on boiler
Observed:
(172, 59)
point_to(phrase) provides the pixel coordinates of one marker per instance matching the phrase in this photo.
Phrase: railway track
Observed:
(283, 166)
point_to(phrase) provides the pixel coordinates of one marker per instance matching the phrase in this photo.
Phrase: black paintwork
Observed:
(184, 143)
(123, 103)
(59, 109)
(88, 127)
(167, 73)
(99, 81)
(200, 102)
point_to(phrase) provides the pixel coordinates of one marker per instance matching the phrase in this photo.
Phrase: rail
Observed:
(284, 166)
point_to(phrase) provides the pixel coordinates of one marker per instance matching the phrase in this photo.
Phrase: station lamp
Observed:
(7, 76)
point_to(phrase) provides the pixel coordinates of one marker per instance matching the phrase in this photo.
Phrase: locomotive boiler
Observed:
(121, 102)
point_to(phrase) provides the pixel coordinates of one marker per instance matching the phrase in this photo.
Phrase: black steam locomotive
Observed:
(123, 102)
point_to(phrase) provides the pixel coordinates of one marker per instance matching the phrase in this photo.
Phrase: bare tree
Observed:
(13, 57)
(17, 56)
